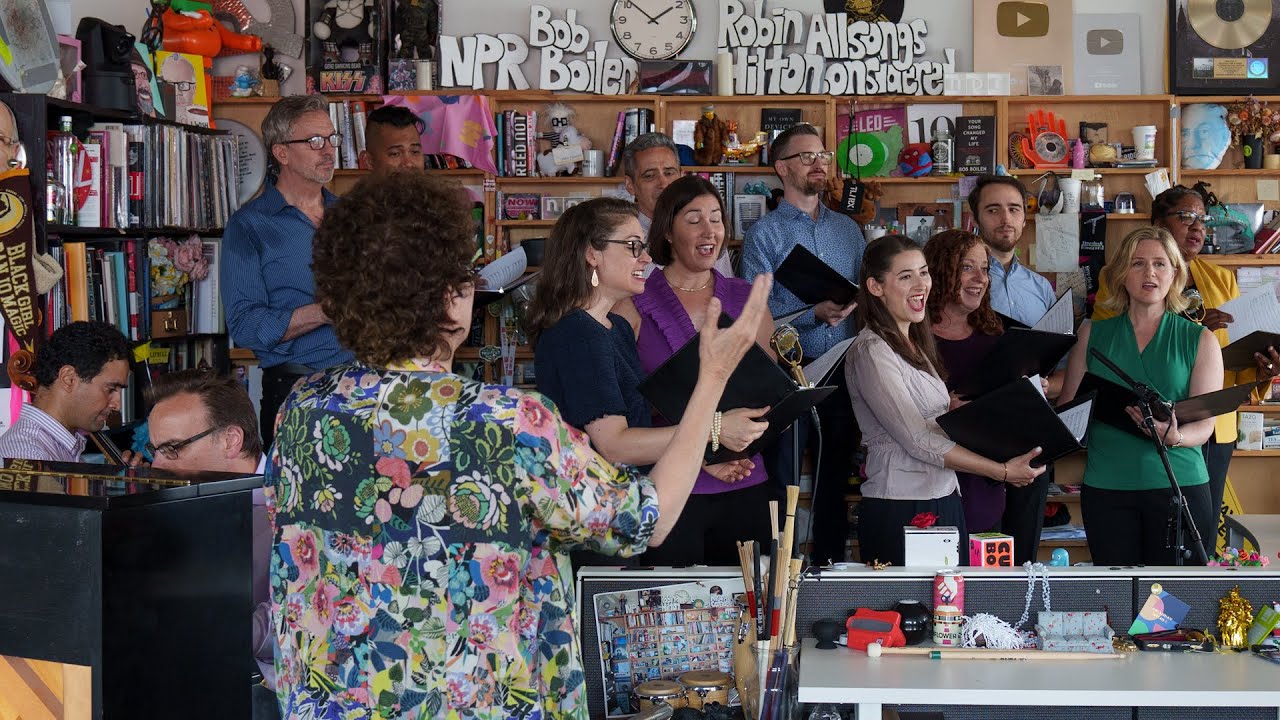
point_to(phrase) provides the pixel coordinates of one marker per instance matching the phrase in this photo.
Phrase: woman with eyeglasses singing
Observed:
(585, 354)
(730, 501)
(1181, 211)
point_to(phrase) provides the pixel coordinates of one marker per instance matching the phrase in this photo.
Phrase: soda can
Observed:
(948, 607)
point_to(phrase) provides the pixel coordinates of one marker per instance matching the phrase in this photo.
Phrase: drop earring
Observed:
(595, 278)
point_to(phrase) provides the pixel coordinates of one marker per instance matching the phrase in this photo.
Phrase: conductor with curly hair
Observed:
(422, 520)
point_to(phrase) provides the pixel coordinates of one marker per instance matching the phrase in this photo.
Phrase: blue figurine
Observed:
(244, 82)
(1060, 558)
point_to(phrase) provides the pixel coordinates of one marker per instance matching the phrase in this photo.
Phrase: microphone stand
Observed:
(1179, 513)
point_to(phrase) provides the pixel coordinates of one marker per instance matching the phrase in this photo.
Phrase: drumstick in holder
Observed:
(875, 649)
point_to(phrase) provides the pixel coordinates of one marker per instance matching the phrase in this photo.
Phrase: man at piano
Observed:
(79, 371)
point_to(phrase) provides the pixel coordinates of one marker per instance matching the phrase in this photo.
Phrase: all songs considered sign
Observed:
(17, 285)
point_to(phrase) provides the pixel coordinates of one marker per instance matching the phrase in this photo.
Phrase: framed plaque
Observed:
(1224, 48)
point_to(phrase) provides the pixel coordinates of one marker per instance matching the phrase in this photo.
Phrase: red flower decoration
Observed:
(924, 520)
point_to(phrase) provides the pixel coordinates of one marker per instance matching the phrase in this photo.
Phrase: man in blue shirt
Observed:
(803, 163)
(999, 205)
(267, 288)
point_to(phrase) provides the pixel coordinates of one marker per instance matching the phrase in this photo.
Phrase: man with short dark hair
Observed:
(201, 421)
(80, 371)
(802, 162)
(392, 140)
(999, 204)
(267, 289)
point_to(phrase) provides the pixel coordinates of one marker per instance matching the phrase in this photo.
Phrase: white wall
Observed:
(950, 24)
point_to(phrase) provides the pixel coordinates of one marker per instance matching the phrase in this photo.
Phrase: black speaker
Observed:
(107, 76)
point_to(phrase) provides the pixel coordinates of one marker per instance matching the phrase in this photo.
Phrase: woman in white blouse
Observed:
(896, 382)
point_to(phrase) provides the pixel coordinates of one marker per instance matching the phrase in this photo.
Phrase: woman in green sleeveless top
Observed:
(1126, 494)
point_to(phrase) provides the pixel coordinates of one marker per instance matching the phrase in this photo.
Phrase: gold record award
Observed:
(1229, 25)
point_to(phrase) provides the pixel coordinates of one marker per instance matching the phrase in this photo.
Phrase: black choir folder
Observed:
(1114, 397)
(756, 382)
(812, 280)
(1239, 354)
(1012, 419)
(1018, 352)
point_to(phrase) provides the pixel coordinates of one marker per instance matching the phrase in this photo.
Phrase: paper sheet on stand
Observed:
(1255, 310)
(1057, 243)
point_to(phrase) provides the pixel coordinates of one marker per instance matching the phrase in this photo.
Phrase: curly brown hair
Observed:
(565, 282)
(945, 253)
(386, 259)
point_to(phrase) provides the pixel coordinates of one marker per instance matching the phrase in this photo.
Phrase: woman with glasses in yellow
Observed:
(585, 355)
(1181, 211)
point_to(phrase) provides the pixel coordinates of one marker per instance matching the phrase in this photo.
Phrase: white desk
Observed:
(1138, 679)
(1261, 530)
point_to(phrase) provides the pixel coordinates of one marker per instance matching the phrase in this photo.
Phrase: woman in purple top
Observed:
(686, 237)
(966, 329)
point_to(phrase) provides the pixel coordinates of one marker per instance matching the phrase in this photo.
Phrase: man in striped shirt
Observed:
(80, 371)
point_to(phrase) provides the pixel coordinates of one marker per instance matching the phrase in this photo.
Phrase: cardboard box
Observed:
(990, 549)
(1250, 433)
(932, 547)
(346, 60)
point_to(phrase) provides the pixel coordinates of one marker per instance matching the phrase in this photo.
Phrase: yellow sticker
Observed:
(142, 352)
(1156, 588)
(158, 356)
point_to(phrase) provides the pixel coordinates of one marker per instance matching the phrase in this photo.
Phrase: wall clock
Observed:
(653, 29)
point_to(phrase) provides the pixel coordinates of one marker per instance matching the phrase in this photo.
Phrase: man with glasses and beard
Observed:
(267, 289)
(803, 164)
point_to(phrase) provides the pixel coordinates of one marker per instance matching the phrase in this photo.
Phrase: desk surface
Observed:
(1151, 679)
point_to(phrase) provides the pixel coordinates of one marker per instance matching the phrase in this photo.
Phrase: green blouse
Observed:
(1119, 460)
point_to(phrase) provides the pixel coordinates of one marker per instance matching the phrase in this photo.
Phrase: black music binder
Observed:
(758, 381)
(1018, 352)
(1009, 421)
(1239, 354)
(812, 280)
(1114, 397)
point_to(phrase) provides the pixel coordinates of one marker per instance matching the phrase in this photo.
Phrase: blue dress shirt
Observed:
(834, 238)
(266, 275)
(1019, 292)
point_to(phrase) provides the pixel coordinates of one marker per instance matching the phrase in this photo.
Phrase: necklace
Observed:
(703, 286)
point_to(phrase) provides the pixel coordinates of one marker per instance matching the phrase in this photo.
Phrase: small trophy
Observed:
(786, 342)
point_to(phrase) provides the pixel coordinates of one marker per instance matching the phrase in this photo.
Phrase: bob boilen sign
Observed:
(778, 52)
(839, 57)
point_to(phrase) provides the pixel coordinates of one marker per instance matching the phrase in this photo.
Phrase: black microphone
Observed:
(1161, 409)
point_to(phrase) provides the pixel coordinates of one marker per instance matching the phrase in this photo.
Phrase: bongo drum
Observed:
(707, 686)
(658, 692)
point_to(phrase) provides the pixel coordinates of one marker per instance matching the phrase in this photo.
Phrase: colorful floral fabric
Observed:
(422, 522)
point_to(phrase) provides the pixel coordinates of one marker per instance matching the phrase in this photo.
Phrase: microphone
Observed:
(1161, 409)
(785, 341)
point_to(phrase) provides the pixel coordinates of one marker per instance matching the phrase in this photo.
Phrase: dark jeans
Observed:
(880, 524)
(1024, 516)
(1131, 527)
(710, 527)
(277, 382)
(1217, 458)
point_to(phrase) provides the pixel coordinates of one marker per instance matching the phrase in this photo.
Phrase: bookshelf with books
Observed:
(132, 180)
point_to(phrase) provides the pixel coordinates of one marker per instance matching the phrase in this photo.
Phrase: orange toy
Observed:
(198, 33)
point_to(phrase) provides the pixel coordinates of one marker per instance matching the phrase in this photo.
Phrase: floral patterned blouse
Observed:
(420, 567)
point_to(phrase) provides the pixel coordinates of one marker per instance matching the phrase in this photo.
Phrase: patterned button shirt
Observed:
(420, 567)
(37, 436)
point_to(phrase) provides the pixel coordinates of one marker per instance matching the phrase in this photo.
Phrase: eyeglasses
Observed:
(171, 449)
(183, 85)
(316, 141)
(637, 247)
(808, 158)
(1189, 218)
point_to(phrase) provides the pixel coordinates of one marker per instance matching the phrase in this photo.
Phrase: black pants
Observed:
(1217, 458)
(880, 524)
(277, 382)
(1024, 516)
(710, 527)
(1131, 527)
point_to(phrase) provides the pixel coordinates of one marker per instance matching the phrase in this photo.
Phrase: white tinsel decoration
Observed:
(994, 633)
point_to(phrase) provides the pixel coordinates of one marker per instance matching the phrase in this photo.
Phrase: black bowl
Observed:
(533, 248)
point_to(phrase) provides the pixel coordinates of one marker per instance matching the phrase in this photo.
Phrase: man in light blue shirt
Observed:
(267, 288)
(999, 205)
(803, 163)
